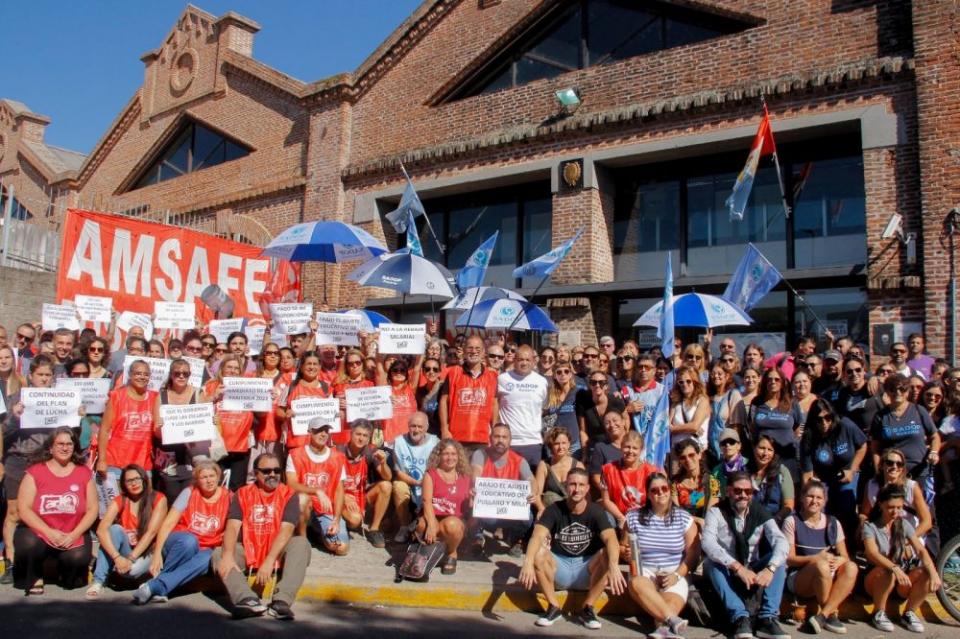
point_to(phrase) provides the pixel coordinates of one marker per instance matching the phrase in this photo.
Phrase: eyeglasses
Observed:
(273, 470)
(221, 349)
(685, 382)
(774, 380)
(627, 358)
(597, 382)
(94, 349)
(854, 371)
(133, 480)
(193, 349)
(696, 357)
(742, 491)
(426, 369)
(562, 371)
(591, 356)
(209, 344)
(179, 373)
(729, 442)
(893, 463)
(936, 396)
(494, 356)
(899, 350)
(727, 360)
(645, 367)
(63, 445)
(901, 389)
(659, 490)
(25, 338)
(271, 353)
(512, 349)
(79, 373)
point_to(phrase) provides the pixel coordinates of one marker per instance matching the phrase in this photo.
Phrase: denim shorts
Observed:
(573, 573)
(320, 523)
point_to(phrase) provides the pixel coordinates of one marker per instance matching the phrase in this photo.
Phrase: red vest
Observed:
(131, 437)
(355, 485)
(205, 520)
(510, 470)
(470, 404)
(235, 425)
(301, 390)
(324, 475)
(129, 521)
(262, 515)
(339, 391)
(404, 405)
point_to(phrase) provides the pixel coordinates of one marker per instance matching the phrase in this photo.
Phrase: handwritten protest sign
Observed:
(307, 408)
(222, 328)
(93, 392)
(94, 309)
(187, 423)
(338, 328)
(373, 402)
(291, 319)
(196, 371)
(501, 499)
(50, 407)
(177, 315)
(255, 336)
(56, 316)
(405, 339)
(248, 393)
(159, 370)
(129, 319)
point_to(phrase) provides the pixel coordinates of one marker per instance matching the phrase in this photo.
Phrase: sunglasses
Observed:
(193, 349)
(512, 350)
(273, 470)
(729, 360)
(79, 373)
(936, 396)
(729, 442)
(24, 338)
(899, 350)
(562, 371)
(696, 357)
(742, 491)
(627, 358)
(426, 369)
(220, 350)
(95, 349)
(271, 353)
(494, 356)
(179, 373)
(854, 371)
(590, 356)
(209, 344)
(597, 382)
(659, 490)
(892, 463)
(901, 389)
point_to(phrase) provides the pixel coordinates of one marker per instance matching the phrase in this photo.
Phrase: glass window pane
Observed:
(628, 312)
(836, 307)
(680, 33)
(829, 207)
(178, 156)
(430, 250)
(618, 30)
(646, 226)
(537, 232)
(471, 225)
(233, 151)
(502, 80)
(769, 328)
(561, 44)
(529, 70)
(207, 148)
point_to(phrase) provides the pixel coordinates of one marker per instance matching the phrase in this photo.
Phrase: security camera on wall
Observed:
(894, 227)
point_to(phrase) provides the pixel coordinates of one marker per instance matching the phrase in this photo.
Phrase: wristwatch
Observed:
(772, 568)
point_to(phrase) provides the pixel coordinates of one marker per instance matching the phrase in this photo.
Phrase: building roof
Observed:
(55, 162)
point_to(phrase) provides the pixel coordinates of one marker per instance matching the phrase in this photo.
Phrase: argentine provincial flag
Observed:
(754, 278)
(762, 146)
(666, 328)
(547, 263)
(410, 207)
(656, 444)
(475, 269)
(413, 238)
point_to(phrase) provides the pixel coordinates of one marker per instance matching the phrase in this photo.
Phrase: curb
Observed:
(514, 598)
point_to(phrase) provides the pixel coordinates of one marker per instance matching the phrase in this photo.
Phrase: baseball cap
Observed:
(729, 433)
(834, 355)
(317, 424)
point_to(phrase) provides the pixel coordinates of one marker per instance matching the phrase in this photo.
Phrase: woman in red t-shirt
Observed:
(128, 529)
(447, 495)
(625, 481)
(353, 375)
(235, 425)
(307, 384)
(58, 505)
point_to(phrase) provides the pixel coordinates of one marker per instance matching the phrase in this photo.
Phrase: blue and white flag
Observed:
(548, 262)
(754, 278)
(666, 329)
(410, 207)
(475, 269)
(413, 238)
(656, 444)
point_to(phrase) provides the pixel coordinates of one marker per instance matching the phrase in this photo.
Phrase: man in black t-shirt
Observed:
(583, 554)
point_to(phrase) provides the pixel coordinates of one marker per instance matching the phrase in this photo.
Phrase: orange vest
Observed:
(301, 390)
(470, 404)
(404, 405)
(355, 485)
(235, 425)
(205, 520)
(129, 521)
(510, 470)
(340, 390)
(262, 515)
(131, 437)
(324, 475)
(627, 486)
(265, 429)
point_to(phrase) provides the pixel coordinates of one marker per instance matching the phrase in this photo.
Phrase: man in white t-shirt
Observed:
(522, 393)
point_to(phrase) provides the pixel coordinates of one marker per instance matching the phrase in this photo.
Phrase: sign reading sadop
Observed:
(501, 499)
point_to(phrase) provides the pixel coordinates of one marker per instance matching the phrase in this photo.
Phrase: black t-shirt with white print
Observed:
(575, 535)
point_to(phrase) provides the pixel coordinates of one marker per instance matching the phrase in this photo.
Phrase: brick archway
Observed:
(244, 228)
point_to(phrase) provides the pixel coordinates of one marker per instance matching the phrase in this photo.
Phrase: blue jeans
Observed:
(731, 590)
(122, 544)
(183, 560)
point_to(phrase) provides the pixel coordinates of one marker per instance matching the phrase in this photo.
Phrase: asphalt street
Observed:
(66, 614)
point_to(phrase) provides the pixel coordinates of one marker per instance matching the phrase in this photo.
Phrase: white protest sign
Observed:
(94, 309)
(373, 402)
(501, 499)
(248, 393)
(255, 336)
(129, 319)
(56, 316)
(177, 315)
(338, 328)
(93, 392)
(197, 366)
(309, 407)
(159, 370)
(291, 319)
(186, 423)
(222, 328)
(50, 407)
(403, 339)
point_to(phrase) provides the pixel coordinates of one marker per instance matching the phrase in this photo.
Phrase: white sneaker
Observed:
(882, 622)
(911, 621)
(143, 594)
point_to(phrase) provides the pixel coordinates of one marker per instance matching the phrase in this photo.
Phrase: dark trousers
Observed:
(237, 464)
(32, 552)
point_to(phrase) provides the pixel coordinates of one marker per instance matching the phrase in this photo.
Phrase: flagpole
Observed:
(776, 162)
(425, 216)
(529, 301)
(806, 304)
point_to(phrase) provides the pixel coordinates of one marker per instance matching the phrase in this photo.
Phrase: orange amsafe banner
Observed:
(138, 263)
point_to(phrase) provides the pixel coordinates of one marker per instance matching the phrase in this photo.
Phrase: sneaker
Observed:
(769, 628)
(375, 537)
(815, 624)
(403, 535)
(94, 591)
(882, 622)
(281, 610)
(143, 594)
(516, 550)
(742, 629)
(678, 625)
(549, 617)
(911, 621)
(589, 618)
(249, 607)
(6, 578)
(663, 631)
(833, 624)
(160, 599)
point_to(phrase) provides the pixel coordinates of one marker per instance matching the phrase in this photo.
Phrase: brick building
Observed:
(864, 97)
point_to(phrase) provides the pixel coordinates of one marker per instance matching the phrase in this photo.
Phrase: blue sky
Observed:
(79, 62)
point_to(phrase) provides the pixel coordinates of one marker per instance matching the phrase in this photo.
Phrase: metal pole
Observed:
(7, 221)
(425, 216)
(951, 224)
(530, 301)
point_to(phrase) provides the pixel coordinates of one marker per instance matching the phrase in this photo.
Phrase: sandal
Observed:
(36, 589)
(449, 566)
(93, 592)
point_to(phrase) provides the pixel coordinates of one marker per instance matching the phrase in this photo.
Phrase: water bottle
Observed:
(636, 565)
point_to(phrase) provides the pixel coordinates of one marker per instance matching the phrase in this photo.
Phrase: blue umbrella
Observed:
(329, 241)
(504, 313)
(406, 273)
(476, 294)
(369, 320)
(697, 309)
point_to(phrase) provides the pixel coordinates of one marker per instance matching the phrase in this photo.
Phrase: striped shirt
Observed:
(661, 539)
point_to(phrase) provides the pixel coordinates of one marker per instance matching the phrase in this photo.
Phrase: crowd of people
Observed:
(803, 473)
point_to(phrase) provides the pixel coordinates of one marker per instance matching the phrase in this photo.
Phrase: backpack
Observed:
(419, 560)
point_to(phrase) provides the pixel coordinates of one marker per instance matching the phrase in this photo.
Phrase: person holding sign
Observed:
(410, 454)
(98, 354)
(624, 481)
(351, 376)
(583, 552)
(58, 505)
(173, 462)
(128, 427)
(446, 499)
(307, 384)
(368, 479)
(468, 399)
(317, 472)
(234, 425)
(264, 515)
(266, 431)
(128, 529)
(403, 392)
(497, 461)
(193, 527)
